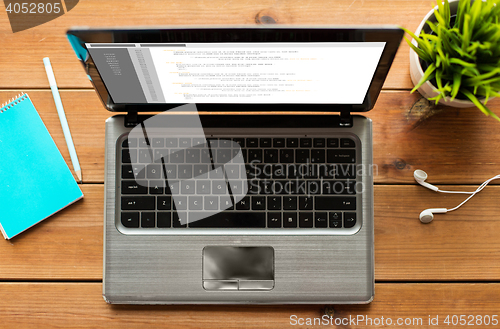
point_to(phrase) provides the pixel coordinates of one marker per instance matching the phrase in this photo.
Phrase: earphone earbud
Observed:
(427, 215)
(420, 176)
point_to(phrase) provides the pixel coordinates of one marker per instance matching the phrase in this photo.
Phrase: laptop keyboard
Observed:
(292, 182)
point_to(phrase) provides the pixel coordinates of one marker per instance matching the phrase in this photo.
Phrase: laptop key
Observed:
(305, 203)
(340, 156)
(223, 155)
(163, 203)
(313, 187)
(154, 171)
(160, 155)
(265, 142)
(127, 172)
(130, 219)
(274, 220)
(292, 142)
(335, 203)
(290, 219)
(176, 156)
(129, 156)
(254, 155)
(203, 187)
(270, 156)
(347, 142)
(266, 186)
(335, 215)
(302, 156)
(279, 171)
(171, 142)
(345, 171)
(158, 142)
(252, 142)
(286, 155)
(335, 219)
(278, 142)
(319, 142)
(138, 203)
(134, 187)
(305, 142)
(320, 219)
(258, 203)
(213, 142)
(294, 171)
(306, 219)
(318, 156)
(273, 203)
(234, 219)
(335, 224)
(148, 219)
(198, 141)
(185, 171)
(225, 203)
(332, 142)
(145, 156)
(176, 221)
(184, 142)
(188, 187)
(172, 187)
(193, 155)
(163, 219)
(243, 204)
(130, 142)
(201, 171)
(290, 203)
(170, 171)
(156, 187)
(211, 203)
(349, 219)
(240, 141)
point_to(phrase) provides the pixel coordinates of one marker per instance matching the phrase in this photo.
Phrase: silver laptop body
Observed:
(247, 265)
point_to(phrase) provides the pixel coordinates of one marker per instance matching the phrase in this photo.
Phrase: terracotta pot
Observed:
(416, 71)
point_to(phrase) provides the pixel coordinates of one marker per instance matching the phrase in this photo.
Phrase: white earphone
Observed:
(427, 215)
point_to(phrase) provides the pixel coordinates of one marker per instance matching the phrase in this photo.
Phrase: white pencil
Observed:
(62, 118)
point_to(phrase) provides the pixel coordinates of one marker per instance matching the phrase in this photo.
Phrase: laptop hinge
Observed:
(345, 119)
(131, 119)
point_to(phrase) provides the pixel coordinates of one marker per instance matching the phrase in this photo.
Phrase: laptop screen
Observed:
(257, 68)
(293, 73)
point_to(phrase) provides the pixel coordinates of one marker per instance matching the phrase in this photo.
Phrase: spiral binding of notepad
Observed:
(13, 101)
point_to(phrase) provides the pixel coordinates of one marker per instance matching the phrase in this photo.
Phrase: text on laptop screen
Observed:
(289, 73)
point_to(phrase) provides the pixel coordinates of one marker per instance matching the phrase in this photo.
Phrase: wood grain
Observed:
(21, 53)
(67, 245)
(454, 146)
(459, 246)
(462, 245)
(80, 305)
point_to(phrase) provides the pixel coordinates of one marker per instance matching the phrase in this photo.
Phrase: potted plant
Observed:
(455, 54)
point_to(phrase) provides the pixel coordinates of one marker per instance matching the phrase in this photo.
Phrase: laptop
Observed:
(238, 170)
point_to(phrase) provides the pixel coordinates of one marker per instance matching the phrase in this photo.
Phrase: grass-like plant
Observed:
(462, 52)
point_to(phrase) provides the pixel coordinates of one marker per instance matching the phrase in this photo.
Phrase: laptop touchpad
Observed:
(238, 268)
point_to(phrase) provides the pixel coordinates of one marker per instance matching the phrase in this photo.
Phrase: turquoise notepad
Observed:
(35, 181)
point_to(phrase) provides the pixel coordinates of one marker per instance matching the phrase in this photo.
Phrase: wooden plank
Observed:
(456, 146)
(71, 305)
(67, 245)
(461, 245)
(21, 53)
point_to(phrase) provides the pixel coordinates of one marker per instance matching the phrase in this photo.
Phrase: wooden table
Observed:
(51, 275)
